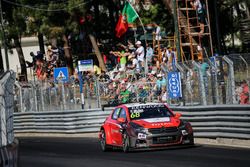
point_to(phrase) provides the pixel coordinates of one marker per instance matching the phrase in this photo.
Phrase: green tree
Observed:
(15, 26)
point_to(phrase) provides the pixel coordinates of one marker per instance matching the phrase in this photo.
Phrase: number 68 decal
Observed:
(135, 115)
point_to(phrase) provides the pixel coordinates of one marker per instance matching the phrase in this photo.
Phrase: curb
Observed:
(239, 143)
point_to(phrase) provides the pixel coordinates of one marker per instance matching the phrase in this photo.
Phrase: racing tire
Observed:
(126, 143)
(103, 143)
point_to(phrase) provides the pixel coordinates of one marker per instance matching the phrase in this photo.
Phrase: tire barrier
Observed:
(208, 122)
(9, 155)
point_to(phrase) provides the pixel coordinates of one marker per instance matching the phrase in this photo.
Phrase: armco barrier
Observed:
(208, 122)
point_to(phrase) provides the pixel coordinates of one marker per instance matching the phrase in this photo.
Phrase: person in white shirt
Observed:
(158, 33)
(140, 52)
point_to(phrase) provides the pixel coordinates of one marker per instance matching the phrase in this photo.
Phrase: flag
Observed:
(121, 27)
(128, 16)
(129, 12)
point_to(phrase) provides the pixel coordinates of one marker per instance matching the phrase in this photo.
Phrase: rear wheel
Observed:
(103, 143)
(126, 143)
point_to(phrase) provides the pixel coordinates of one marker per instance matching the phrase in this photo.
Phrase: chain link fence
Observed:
(215, 80)
(7, 81)
(50, 96)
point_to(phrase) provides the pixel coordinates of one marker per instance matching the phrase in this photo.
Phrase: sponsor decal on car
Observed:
(153, 120)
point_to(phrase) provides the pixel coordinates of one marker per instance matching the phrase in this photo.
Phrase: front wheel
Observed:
(103, 143)
(126, 143)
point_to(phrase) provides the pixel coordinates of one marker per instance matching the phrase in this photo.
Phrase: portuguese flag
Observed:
(128, 16)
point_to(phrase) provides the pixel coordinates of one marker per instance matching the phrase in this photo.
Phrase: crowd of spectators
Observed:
(43, 64)
(134, 73)
(138, 74)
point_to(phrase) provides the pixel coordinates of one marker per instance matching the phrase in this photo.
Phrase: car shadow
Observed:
(155, 149)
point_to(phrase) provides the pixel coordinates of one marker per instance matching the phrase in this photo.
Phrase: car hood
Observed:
(158, 122)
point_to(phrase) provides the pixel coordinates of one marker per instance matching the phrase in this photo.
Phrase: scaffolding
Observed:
(193, 44)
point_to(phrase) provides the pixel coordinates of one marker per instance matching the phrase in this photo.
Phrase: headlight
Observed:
(182, 125)
(185, 128)
(141, 130)
(137, 128)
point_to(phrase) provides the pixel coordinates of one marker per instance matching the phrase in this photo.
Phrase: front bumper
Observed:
(161, 140)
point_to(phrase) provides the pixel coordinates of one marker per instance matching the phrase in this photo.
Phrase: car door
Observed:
(122, 114)
(115, 127)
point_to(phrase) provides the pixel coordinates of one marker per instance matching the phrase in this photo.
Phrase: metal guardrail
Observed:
(208, 122)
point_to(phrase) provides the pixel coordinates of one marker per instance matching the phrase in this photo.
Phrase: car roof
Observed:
(140, 104)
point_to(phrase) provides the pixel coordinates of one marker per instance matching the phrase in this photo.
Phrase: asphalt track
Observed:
(81, 152)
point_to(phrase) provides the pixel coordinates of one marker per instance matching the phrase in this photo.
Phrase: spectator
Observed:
(164, 66)
(157, 32)
(155, 64)
(97, 70)
(140, 54)
(49, 53)
(161, 82)
(41, 69)
(164, 95)
(104, 77)
(244, 96)
(142, 94)
(124, 94)
(123, 54)
(135, 64)
(149, 54)
(205, 73)
(197, 5)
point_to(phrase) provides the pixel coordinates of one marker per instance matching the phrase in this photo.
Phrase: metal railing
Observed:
(229, 121)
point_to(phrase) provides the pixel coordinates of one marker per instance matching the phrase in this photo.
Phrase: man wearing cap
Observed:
(140, 53)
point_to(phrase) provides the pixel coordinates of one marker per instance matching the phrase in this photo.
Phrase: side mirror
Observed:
(177, 115)
(121, 120)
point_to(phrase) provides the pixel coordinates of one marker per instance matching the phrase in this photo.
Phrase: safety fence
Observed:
(208, 122)
(7, 81)
(9, 155)
(215, 80)
(8, 145)
(50, 96)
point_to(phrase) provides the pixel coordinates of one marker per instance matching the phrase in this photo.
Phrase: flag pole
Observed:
(145, 39)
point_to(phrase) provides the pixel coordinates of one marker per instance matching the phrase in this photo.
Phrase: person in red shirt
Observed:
(244, 96)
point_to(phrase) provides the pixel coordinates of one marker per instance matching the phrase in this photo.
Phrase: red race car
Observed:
(137, 126)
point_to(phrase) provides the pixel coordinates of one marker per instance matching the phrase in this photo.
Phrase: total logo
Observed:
(160, 124)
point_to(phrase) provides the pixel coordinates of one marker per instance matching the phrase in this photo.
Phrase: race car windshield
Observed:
(149, 111)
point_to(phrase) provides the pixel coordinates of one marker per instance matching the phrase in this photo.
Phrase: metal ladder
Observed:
(189, 28)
